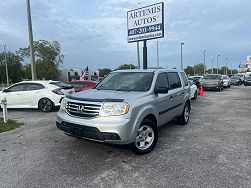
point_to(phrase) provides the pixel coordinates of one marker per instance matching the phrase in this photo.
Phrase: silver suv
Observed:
(126, 107)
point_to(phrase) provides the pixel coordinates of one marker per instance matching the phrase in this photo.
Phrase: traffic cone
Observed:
(201, 91)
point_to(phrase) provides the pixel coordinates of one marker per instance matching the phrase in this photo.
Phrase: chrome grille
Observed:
(87, 110)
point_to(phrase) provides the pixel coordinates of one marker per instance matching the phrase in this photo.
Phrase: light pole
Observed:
(32, 57)
(218, 63)
(212, 58)
(181, 55)
(226, 66)
(205, 62)
(6, 65)
(231, 68)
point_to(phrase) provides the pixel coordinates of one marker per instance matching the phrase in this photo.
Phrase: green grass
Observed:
(10, 125)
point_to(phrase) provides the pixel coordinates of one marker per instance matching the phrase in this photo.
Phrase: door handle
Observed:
(171, 97)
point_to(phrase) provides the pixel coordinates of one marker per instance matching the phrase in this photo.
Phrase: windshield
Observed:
(224, 77)
(212, 77)
(127, 81)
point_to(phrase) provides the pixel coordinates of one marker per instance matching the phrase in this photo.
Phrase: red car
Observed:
(81, 85)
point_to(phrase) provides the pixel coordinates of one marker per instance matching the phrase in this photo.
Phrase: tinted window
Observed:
(162, 80)
(184, 77)
(79, 84)
(33, 86)
(18, 87)
(174, 80)
(61, 85)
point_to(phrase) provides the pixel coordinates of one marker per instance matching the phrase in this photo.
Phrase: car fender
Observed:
(143, 112)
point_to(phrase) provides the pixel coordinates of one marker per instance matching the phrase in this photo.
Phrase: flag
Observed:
(85, 74)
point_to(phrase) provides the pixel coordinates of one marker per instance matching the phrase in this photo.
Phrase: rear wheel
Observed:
(195, 96)
(45, 105)
(147, 137)
(184, 118)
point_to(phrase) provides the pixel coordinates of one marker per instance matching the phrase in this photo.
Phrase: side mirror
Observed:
(5, 90)
(161, 90)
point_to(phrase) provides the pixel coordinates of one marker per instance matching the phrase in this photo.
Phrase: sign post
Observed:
(144, 24)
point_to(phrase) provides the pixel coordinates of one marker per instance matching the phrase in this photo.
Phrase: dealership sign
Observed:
(145, 23)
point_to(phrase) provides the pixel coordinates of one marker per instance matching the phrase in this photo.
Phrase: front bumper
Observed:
(210, 86)
(116, 130)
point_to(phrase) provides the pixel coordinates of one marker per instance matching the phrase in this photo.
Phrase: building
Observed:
(67, 75)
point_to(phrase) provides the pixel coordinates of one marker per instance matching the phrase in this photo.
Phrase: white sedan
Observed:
(44, 95)
(226, 81)
(194, 90)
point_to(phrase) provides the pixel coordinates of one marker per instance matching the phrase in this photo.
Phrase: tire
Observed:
(45, 105)
(195, 96)
(184, 118)
(147, 137)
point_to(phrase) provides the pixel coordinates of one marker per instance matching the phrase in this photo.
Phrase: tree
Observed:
(199, 69)
(189, 70)
(126, 66)
(14, 67)
(48, 58)
(104, 72)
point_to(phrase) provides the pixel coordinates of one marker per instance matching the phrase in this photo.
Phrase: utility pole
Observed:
(32, 57)
(181, 56)
(226, 66)
(6, 65)
(205, 62)
(231, 68)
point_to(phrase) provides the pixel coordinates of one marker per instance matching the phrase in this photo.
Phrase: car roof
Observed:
(149, 70)
(40, 81)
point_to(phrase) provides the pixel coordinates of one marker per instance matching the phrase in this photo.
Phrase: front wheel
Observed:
(184, 118)
(147, 137)
(45, 105)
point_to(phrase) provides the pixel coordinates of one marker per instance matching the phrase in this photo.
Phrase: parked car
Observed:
(126, 107)
(44, 95)
(197, 80)
(247, 81)
(236, 80)
(81, 85)
(212, 81)
(242, 77)
(194, 90)
(226, 81)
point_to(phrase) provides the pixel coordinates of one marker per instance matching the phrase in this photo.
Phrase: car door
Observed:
(163, 102)
(13, 95)
(177, 92)
(32, 94)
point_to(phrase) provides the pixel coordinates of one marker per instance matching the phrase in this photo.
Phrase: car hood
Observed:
(107, 95)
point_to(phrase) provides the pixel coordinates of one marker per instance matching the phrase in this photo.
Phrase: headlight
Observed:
(63, 104)
(114, 109)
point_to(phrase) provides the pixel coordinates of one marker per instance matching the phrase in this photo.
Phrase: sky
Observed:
(93, 33)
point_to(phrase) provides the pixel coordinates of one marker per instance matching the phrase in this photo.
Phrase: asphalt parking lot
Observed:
(213, 150)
